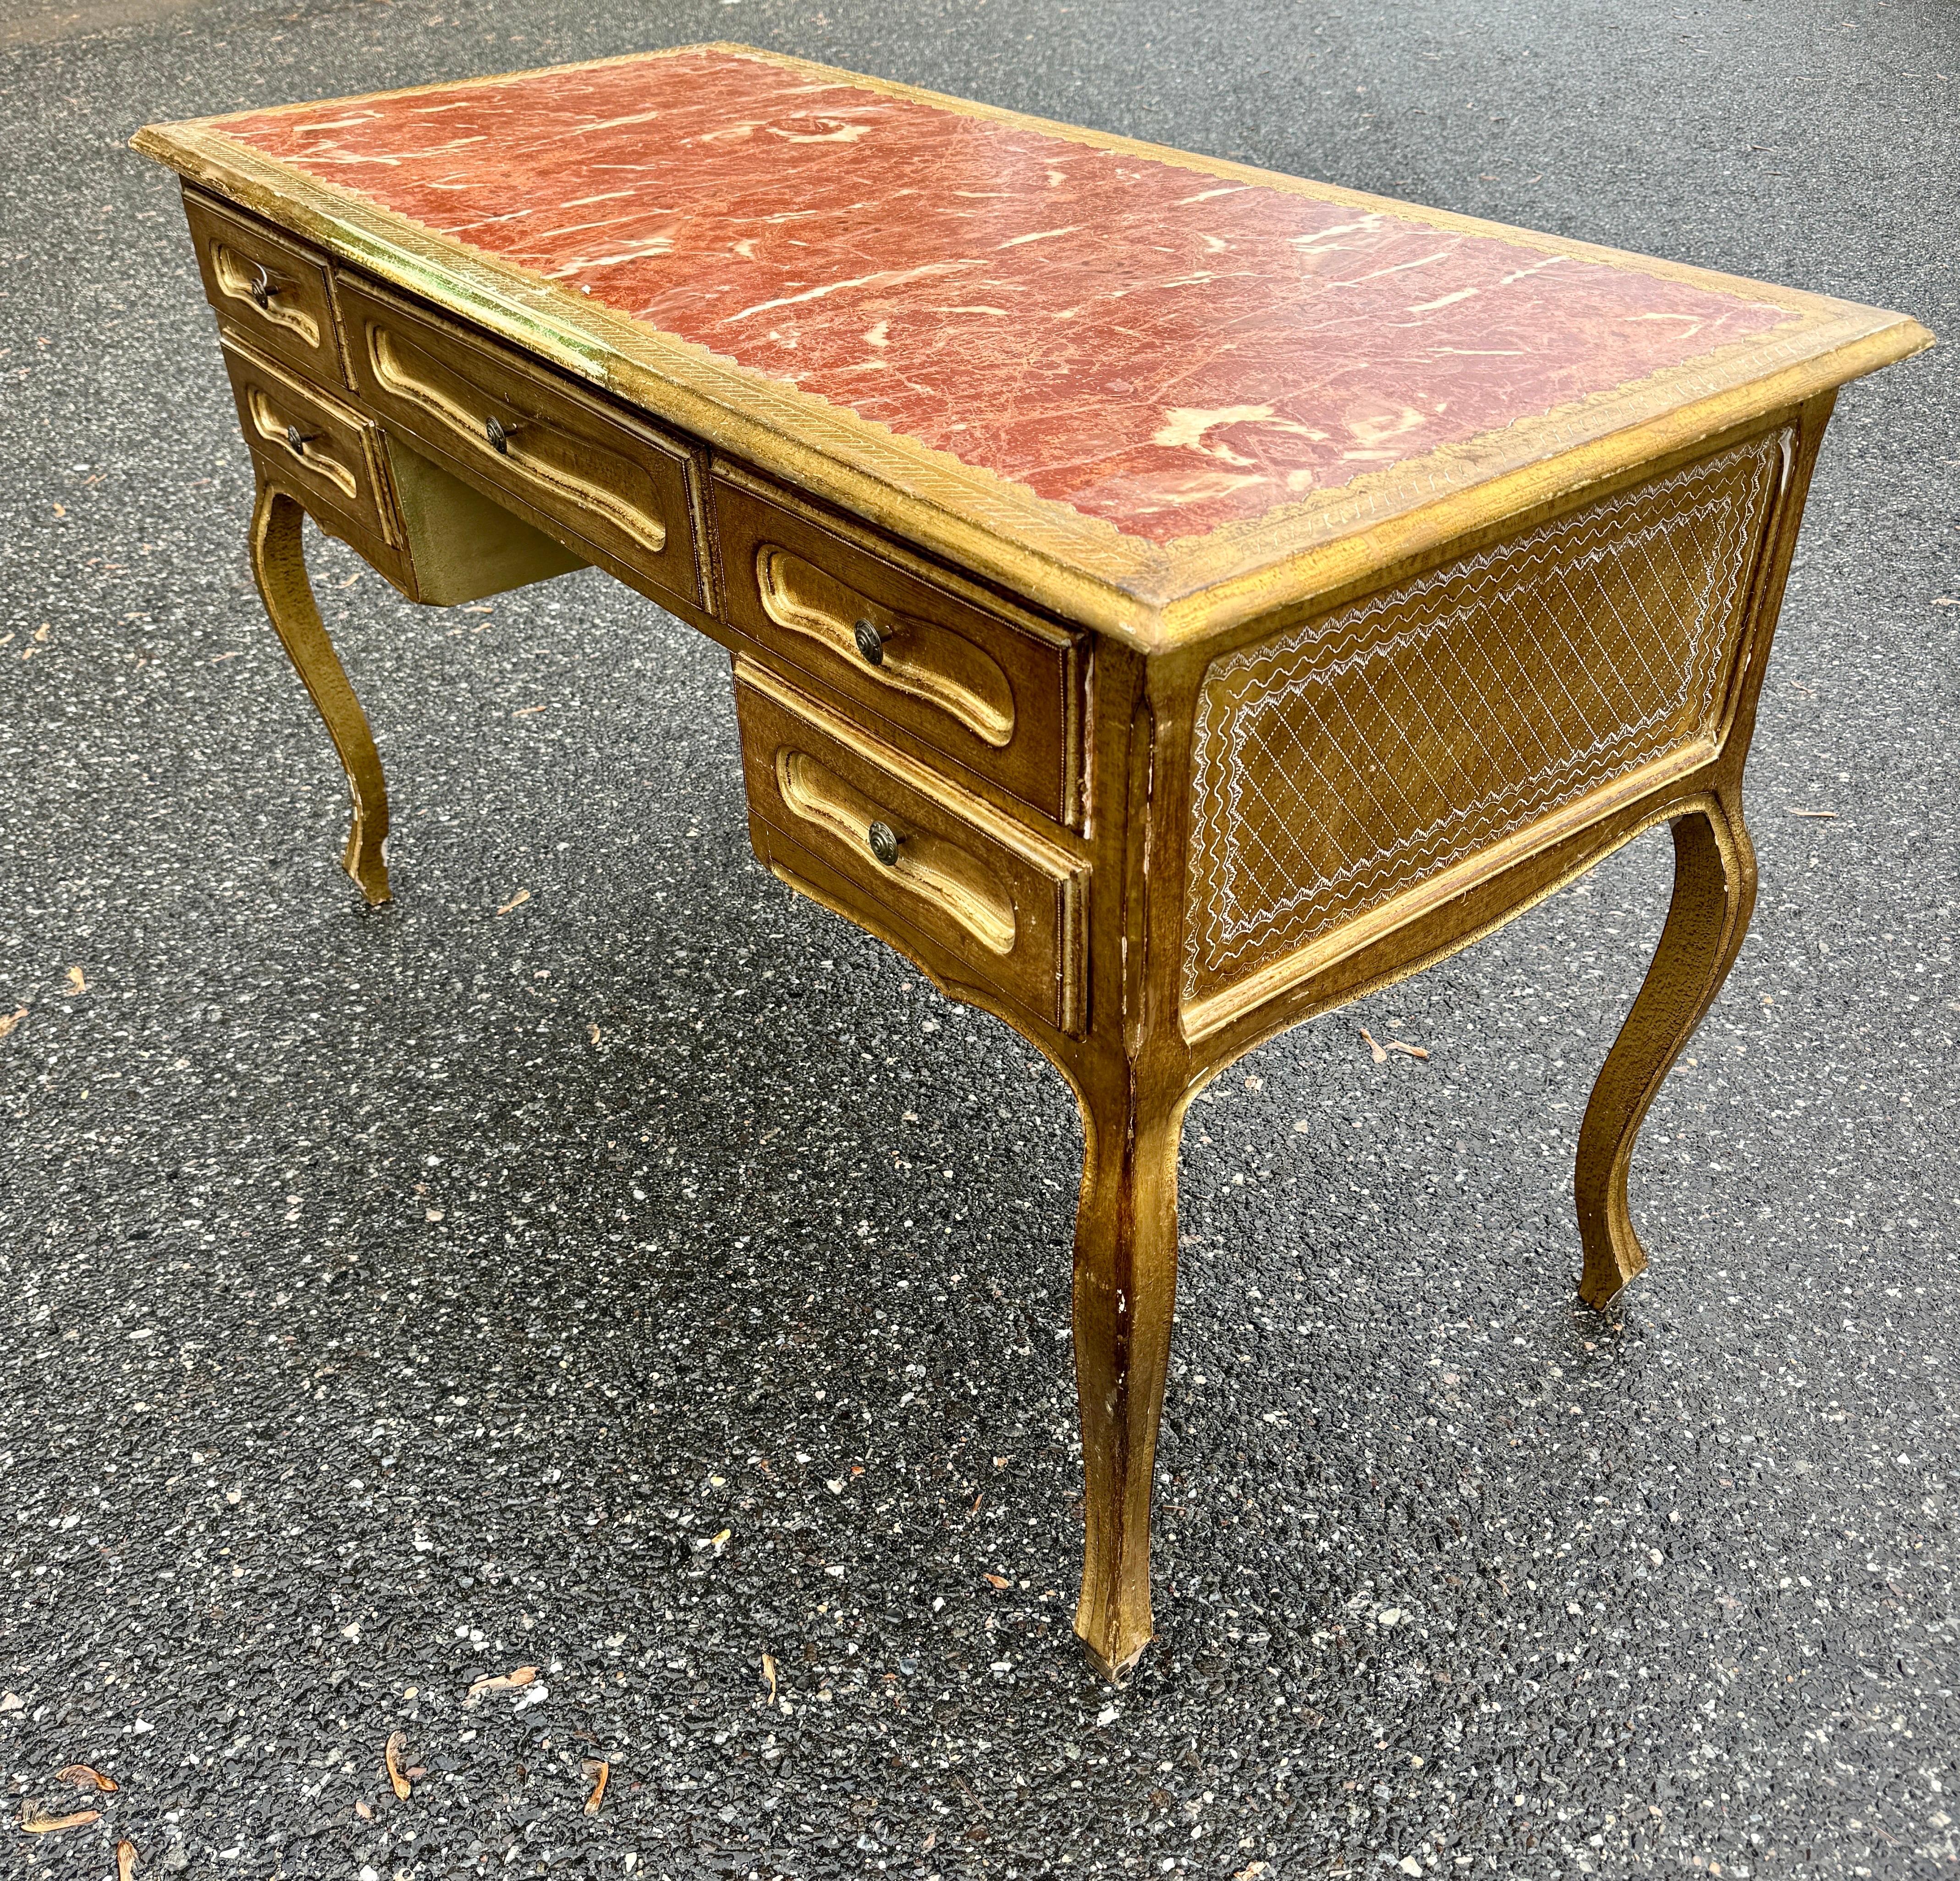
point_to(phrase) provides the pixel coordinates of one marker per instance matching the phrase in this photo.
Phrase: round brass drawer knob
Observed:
(870, 643)
(884, 841)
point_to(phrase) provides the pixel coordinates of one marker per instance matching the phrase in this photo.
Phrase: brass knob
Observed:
(870, 643)
(884, 841)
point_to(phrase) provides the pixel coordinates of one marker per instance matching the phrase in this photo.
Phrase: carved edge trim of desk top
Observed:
(1155, 599)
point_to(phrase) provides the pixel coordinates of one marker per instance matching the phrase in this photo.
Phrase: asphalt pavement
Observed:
(600, 1263)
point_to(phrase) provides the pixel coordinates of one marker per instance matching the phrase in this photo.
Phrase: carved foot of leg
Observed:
(1714, 892)
(1125, 1288)
(278, 561)
(363, 860)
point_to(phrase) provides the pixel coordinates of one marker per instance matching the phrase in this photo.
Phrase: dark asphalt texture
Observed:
(657, 1276)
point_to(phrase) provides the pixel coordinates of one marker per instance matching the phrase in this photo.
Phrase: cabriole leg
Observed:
(1125, 1289)
(279, 560)
(1714, 892)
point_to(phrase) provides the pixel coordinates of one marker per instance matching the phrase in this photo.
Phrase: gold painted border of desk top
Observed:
(1153, 597)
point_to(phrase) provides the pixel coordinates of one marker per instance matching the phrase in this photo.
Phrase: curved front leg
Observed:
(278, 561)
(1714, 892)
(1125, 1289)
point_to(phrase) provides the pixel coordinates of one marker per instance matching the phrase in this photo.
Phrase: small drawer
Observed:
(1003, 699)
(268, 288)
(326, 454)
(558, 456)
(918, 854)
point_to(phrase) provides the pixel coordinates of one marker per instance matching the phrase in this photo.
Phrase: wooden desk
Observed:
(1166, 599)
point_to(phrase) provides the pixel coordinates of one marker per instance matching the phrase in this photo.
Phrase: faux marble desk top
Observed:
(1122, 355)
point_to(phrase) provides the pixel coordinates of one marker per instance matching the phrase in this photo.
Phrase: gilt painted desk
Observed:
(1165, 600)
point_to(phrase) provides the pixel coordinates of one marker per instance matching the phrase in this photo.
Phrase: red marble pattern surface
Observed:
(1168, 351)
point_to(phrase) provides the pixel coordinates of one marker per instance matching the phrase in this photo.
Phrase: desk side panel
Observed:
(1347, 763)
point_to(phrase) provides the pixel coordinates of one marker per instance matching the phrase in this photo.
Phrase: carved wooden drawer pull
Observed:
(542, 456)
(915, 657)
(957, 883)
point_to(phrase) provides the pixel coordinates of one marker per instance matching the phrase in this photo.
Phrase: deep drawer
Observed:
(557, 456)
(267, 286)
(1003, 699)
(326, 452)
(914, 853)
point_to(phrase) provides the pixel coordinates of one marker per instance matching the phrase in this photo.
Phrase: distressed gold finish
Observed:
(278, 561)
(1714, 893)
(1005, 900)
(1380, 745)
(618, 489)
(996, 689)
(268, 289)
(1149, 805)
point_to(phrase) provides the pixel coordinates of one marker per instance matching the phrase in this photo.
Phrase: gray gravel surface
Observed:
(656, 1276)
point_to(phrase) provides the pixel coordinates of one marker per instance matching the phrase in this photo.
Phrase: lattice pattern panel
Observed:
(1338, 766)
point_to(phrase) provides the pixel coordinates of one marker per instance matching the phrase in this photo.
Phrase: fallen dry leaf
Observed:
(1830, 815)
(1946, 600)
(78, 982)
(516, 901)
(126, 1860)
(85, 1778)
(721, 1540)
(35, 1823)
(396, 1740)
(769, 1673)
(592, 1032)
(596, 1770)
(365, 1811)
(502, 1682)
(12, 1020)
(525, 711)
(1368, 1039)
(995, 1580)
(1413, 1050)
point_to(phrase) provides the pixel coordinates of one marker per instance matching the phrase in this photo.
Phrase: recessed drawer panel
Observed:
(267, 286)
(534, 441)
(324, 451)
(921, 854)
(1004, 699)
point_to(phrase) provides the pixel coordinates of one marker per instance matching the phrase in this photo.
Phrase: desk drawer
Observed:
(327, 453)
(555, 455)
(1003, 699)
(267, 286)
(912, 854)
